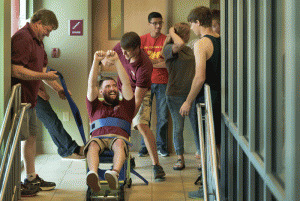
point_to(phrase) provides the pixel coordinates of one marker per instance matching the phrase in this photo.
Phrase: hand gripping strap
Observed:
(111, 121)
(72, 104)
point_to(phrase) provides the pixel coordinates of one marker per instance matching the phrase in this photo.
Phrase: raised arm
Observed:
(92, 91)
(126, 86)
(178, 42)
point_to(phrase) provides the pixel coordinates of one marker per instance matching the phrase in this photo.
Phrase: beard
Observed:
(109, 100)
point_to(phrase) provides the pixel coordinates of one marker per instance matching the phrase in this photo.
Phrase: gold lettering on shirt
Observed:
(154, 55)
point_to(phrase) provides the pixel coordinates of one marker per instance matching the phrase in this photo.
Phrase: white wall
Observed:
(74, 62)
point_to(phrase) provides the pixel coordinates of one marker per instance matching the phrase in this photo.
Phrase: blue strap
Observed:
(72, 104)
(111, 121)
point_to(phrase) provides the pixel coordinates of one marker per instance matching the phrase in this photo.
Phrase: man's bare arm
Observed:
(160, 65)
(43, 93)
(53, 84)
(178, 42)
(22, 73)
(200, 76)
(92, 91)
(126, 86)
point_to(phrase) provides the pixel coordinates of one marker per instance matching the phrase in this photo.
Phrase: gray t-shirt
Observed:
(181, 68)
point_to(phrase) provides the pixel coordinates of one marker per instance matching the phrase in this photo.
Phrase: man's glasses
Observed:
(156, 23)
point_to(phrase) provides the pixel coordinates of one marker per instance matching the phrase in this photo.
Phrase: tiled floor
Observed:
(70, 178)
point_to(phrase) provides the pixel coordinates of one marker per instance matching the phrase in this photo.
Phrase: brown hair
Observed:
(104, 79)
(130, 40)
(216, 15)
(202, 14)
(181, 29)
(46, 16)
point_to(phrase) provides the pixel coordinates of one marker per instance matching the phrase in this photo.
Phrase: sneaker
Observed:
(161, 151)
(143, 152)
(92, 180)
(196, 194)
(43, 185)
(74, 156)
(159, 173)
(29, 190)
(112, 178)
(132, 163)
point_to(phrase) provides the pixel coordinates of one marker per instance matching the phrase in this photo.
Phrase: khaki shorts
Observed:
(143, 115)
(106, 143)
(29, 124)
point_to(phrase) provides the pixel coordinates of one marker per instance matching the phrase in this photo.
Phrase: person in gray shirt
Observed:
(180, 62)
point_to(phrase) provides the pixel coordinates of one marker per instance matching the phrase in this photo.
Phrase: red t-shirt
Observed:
(153, 47)
(139, 72)
(28, 51)
(99, 109)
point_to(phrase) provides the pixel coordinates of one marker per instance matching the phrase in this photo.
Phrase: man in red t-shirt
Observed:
(111, 137)
(152, 44)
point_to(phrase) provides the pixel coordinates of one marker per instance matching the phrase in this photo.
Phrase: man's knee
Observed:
(119, 143)
(144, 129)
(94, 146)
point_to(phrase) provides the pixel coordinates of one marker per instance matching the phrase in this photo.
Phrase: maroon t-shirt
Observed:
(139, 72)
(28, 51)
(99, 109)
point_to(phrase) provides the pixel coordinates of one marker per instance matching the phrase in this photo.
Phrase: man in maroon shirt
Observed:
(109, 136)
(139, 69)
(29, 60)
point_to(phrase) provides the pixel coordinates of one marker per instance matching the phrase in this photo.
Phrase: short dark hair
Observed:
(216, 15)
(154, 15)
(130, 40)
(202, 14)
(103, 79)
(46, 16)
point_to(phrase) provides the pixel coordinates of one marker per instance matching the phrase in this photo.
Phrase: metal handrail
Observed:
(14, 98)
(212, 140)
(201, 139)
(13, 149)
(210, 134)
(10, 157)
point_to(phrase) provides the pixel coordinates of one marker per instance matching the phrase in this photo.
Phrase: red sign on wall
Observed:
(76, 27)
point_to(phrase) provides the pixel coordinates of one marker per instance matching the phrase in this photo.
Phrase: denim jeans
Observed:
(59, 135)
(174, 104)
(216, 107)
(159, 90)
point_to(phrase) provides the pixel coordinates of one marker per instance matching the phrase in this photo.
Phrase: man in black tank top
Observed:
(207, 53)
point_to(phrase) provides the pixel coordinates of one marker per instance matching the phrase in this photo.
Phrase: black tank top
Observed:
(213, 66)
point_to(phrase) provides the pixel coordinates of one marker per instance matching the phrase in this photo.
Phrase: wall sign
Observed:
(75, 27)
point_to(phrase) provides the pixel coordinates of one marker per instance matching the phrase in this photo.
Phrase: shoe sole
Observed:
(161, 176)
(93, 181)
(111, 181)
(179, 168)
(47, 188)
(32, 195)
(144, 155)
(163, 155)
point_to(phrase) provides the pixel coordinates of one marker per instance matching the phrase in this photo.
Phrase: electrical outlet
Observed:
(66, 116)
